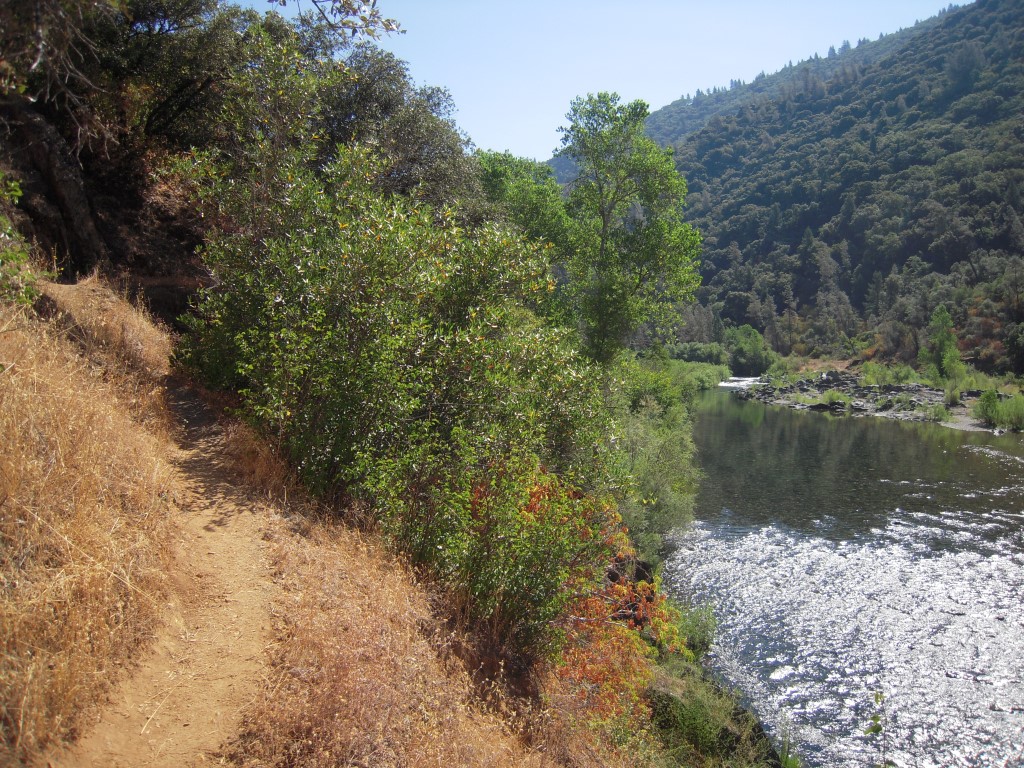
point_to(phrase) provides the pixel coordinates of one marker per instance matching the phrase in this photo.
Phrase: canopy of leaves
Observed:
(630, 257)
(378, 105)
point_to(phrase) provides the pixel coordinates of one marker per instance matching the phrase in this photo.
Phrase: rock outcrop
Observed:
(907, 402)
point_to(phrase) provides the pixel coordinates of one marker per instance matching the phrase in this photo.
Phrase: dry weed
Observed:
(356, 680)
(119, 338)
(262, 468)
(83, 515)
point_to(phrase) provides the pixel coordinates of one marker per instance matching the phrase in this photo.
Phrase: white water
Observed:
(909, 584)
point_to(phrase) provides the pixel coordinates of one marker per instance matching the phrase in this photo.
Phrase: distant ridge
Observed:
(849, 195)
(690, 113)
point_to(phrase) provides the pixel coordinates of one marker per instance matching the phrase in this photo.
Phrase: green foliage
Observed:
(834, 396)
(695, 721)
(952, 396)
(879, 375)
(1012, 413)
(655, 452)
(526, 194)
(700, 724)
(878, 730)
(17, 283)
(509, 541)
(395, 356)
(865, 189)
(698, 625)
(161, 68)
(411, 129)
(787, 757)
(1005, 413)
(904, 401)
(986, 409)
(632, 256)
(830, 397)
(749, 355)
(698, 352)
(941, 356)
(351, 17)
(785, 369)
(696, 377)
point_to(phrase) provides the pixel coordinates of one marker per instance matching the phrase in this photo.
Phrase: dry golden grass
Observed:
(119, 339)
(357, 680)
(83, 516)
(263, 470)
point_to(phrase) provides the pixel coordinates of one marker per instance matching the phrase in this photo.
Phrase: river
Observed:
(852, 556)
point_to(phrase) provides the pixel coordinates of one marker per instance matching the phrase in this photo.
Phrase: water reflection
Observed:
(840, 477)
(847, 556)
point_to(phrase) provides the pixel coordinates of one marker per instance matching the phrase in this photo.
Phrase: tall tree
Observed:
(413, 129)
(633, 258)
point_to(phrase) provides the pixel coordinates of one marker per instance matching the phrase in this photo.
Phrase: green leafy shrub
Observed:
(879, 375)
(511, 542)
(394, 356)
(696, 377)
(701, 724)
(749, 355)
(1012, 413)
(17, 282)
(986, 409)
(996, 412)
(697, 352)
(698, 625)
(904, 401)
(654, 451)
(398, 358)
(835, 396)
(952, 396)
(696, 721)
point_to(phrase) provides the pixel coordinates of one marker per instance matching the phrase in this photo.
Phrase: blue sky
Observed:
(513, 66)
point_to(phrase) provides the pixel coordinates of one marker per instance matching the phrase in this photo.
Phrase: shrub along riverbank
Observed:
(429, 372)
(436, 376)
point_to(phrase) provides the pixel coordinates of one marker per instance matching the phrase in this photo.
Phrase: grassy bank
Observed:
(84, 490)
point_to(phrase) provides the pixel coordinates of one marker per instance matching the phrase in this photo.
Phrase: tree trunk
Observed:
(34, 142)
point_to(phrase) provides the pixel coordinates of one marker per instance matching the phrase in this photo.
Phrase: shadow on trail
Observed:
(200, 437)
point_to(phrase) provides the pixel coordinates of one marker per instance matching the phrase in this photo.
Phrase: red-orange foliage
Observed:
(611, 637)
(605, 666)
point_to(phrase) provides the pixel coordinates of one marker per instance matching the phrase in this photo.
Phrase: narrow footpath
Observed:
(184, 697)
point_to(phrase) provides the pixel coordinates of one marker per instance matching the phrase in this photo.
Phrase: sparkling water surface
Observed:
(849, 556)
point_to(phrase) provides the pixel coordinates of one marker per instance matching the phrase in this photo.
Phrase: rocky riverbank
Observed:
(843, 393)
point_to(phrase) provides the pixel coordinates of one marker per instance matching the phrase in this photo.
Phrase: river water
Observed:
(852, 556)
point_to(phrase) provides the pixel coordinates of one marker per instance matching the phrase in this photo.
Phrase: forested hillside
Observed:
(690, 113)
(844, 199)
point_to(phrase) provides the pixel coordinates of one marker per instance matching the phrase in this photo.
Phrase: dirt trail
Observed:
(183, 699)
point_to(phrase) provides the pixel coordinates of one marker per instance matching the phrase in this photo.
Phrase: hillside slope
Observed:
(674, 122)
(872, 193)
